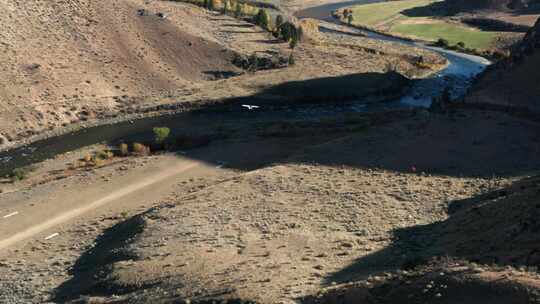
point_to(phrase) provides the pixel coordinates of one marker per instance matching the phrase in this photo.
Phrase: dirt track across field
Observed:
(36, 220)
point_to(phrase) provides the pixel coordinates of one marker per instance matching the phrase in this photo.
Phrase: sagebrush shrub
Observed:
(161, 134)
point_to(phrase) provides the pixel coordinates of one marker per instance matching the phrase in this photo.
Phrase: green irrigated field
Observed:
(389, 16)
(454, 33)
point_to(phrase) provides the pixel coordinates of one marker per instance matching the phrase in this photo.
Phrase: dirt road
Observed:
(25, 218)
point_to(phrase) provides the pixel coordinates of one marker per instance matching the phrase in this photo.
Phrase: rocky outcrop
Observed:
(513, 82)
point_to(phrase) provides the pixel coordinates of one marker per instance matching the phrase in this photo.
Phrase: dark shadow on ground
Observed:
(94, 264)
(268, 41)
(498, 228)
(341, 32)
(460, 284)
(242, 32)
(348, 87)
(535, 10)
(216, 75)
(240, 25)
(495, 25)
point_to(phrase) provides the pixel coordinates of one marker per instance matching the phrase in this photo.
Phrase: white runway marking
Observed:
(52, 236)
(11, 214)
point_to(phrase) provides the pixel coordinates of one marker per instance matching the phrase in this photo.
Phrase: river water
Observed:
(457, 76)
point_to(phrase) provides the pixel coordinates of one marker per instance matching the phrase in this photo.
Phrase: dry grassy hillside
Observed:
(57, 53)
(64, 61)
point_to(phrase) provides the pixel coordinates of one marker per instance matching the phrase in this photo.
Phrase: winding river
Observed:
(457, 76)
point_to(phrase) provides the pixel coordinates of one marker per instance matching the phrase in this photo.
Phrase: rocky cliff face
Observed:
(513, 81)
(530, 43)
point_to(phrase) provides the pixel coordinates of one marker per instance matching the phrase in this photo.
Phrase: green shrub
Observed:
(262, 19)
(294, 41)
(287, 31)
(442, 43)
(225, 10)
(238, 10)
(291, 59)
(161, 134)
(279, 21)
(18, 174)
(350, 19)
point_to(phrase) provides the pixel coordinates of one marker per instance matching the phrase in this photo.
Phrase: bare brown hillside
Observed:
(513, 82)
(66, 60)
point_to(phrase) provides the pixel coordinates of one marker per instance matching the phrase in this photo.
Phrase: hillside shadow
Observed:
(436, 9)
(351, 105)
(535, 10)
(268, 41)
(217, 75)
(498, 228)
(94, 264)
(345, 88)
